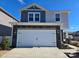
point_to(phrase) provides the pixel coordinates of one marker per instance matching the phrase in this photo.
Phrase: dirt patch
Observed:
(2, 52)
(75, 43)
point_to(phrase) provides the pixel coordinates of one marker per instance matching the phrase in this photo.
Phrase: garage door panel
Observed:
(23, 38)
(36, 37)
(47, 38)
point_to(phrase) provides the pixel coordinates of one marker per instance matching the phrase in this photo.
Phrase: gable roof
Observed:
(1, 9)
(30, 5)
(33, 4)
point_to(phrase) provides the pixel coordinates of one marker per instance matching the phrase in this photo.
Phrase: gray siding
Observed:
(24, 15)
(5, 30)
(43, 16)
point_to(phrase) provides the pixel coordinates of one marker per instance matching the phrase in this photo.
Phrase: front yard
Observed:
(75, 43)
(2, 52)
(74, 52)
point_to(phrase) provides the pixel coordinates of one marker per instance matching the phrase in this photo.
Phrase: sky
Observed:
(14, 7)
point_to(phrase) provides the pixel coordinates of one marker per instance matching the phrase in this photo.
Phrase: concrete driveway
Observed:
(35, 53)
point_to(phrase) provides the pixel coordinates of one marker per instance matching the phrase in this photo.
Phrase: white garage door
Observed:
(36, 38)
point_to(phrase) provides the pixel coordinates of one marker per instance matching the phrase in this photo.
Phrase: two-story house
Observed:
(39, 27)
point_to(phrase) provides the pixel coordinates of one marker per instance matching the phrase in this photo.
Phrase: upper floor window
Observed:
(57, 17)
(34, 16)
(30, 17)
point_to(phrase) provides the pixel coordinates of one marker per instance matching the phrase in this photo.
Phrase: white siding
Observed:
(64, 20)
(50, 17)
(5, 19)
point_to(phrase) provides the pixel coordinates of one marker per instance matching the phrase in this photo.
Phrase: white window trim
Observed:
(28, 16)
(34, 16)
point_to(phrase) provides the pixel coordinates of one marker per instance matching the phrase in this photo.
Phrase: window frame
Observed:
(58, 17)
(34, 13)
(28, 17)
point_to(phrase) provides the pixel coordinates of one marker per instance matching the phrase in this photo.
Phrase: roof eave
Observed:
(7, 13)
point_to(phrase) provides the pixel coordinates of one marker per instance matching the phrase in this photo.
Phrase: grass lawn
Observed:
(2, 52)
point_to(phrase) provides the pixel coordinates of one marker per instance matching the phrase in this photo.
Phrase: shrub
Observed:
(5, 43)
(67, 41)
(64, 46)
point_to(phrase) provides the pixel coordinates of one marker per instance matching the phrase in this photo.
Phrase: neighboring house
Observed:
(39, 27)
(67, 37)
(5, 25)
(70, 35)
(75, 35)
